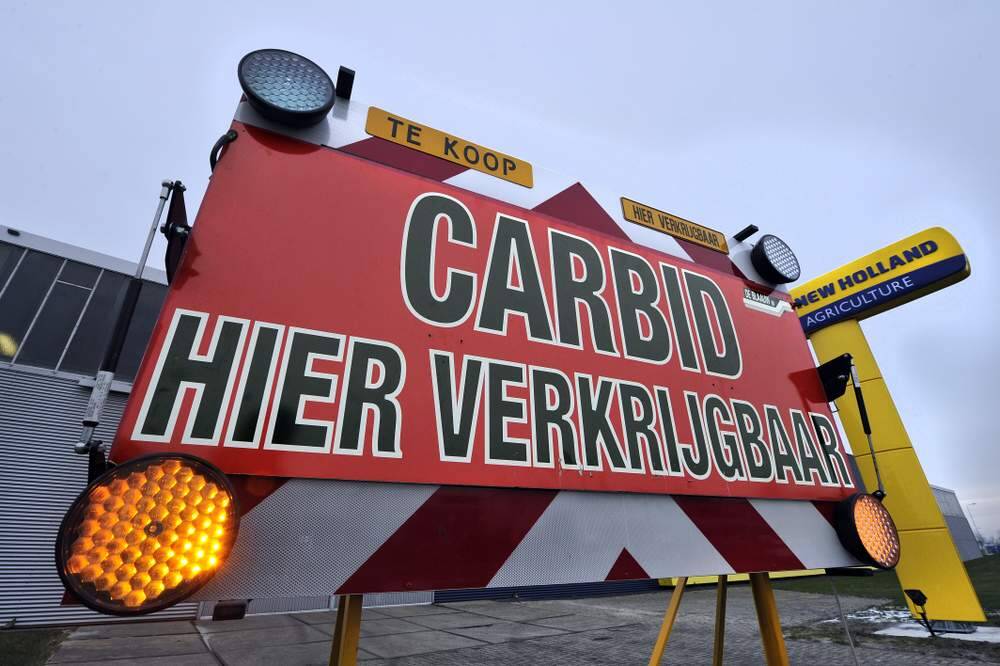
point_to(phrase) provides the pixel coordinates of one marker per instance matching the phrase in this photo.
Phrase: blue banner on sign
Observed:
(881, 294)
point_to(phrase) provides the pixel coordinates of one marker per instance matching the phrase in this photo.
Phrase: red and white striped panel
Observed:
(307, 537)
(312, 537)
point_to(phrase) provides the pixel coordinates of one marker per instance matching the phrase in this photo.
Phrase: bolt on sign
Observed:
(396, 331)
(896, 274)
(440, 144)
(675, 226)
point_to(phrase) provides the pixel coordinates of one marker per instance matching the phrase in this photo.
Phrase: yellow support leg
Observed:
(928, 560)
(775, 653)
(720, 621)
(347, 631)
(668, 621)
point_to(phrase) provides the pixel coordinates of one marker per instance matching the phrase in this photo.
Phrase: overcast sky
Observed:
(839, 126)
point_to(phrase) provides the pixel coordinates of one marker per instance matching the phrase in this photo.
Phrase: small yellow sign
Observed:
(674, 226)
(434, 142)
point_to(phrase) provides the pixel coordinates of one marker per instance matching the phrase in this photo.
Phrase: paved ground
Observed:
(606, 630)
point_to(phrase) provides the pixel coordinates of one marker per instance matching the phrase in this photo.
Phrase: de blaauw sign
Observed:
(337, 319)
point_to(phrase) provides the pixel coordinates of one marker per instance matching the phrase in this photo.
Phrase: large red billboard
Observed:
(335, 318)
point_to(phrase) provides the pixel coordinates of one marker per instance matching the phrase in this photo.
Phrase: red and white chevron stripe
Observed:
(313, 536)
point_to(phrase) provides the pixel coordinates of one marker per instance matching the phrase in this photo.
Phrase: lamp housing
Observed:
(286, 87)
(774, 260)
(147, 534)
(867, 531)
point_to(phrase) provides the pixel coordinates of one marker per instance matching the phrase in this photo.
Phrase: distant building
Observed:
(961, 532)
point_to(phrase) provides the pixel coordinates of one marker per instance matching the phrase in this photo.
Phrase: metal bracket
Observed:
(835, 374)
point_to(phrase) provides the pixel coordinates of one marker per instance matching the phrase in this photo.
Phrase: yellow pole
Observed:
(668, 621)
(720, 620)
(928, 560)
(775, 653)
(347, 631)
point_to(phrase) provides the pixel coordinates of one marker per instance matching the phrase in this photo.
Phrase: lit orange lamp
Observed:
(147, 534)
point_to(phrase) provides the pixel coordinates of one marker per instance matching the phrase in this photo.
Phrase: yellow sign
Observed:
(434, 142)
(673, 225)
(898, 273)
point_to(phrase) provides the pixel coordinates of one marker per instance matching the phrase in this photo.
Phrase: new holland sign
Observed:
(917, 265)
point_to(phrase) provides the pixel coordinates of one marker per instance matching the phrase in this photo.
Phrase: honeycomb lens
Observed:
(867, 530)
(782, 257)
(286, 87)
(147, 534)
(775, 261)
(876, 531)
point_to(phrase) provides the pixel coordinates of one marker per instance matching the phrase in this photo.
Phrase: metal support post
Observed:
(720, 620)
(775, 653)
(843, 619)
(668, 621)
(109, 365)
(977, 532)
(347, 631)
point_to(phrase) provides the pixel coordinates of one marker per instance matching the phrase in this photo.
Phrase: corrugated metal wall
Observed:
(39, 478)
